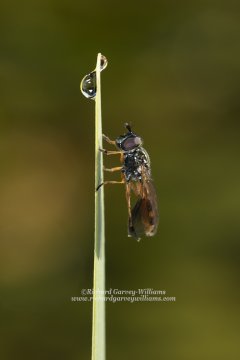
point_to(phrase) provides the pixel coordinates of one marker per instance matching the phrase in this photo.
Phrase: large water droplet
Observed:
(88, 85)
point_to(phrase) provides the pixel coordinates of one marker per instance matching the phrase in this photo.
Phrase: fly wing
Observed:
(145, 212)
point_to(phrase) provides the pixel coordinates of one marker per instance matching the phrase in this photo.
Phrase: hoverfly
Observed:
(136, 175)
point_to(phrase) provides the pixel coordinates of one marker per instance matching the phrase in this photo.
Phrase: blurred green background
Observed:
(174, 72)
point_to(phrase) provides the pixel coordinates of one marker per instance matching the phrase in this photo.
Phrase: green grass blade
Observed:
(89, 84)
(98, 324)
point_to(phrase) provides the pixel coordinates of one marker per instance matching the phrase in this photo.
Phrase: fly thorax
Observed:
(134, 161)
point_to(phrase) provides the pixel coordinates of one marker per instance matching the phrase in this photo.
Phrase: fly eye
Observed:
(131, 143)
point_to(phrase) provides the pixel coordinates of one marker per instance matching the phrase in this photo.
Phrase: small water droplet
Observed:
(103, 62)
(88, 85)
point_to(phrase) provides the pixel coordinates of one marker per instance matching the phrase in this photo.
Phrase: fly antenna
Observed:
(128, 127)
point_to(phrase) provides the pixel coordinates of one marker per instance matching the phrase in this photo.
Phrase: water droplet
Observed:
(88, 85)
(103, 62)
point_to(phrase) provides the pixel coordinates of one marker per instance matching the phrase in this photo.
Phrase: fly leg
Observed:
(118, 168)
(131, 230)
(110, 182)
(106, 138)
(107, 152)
(128, 198)
(112, 142)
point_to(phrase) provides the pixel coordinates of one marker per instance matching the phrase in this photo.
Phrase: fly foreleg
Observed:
(106, 138)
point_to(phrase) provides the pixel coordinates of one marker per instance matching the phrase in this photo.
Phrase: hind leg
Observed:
(109, 182)
(128, 198)
(131, 231)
